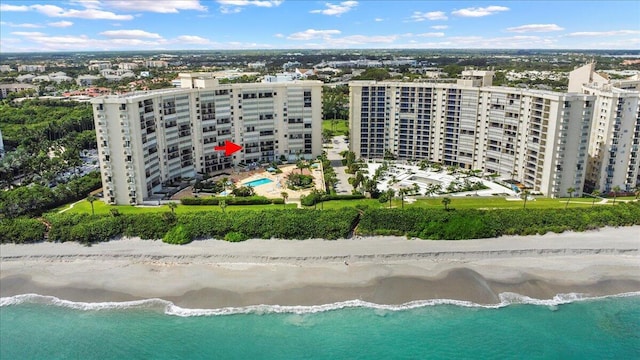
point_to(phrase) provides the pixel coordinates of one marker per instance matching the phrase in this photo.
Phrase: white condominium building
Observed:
(148, 139)
(538, 138)
(614, 159)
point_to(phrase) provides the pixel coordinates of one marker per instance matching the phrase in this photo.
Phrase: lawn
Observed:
(499, 203)
(102, 208)
(339, 128)
(456, 203)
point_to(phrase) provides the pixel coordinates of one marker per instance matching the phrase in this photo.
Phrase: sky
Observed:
(107, 25)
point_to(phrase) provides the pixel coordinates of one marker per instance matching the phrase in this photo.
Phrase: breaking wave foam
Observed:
(170, 308)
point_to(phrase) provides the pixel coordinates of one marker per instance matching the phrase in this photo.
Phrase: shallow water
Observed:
(567, 327)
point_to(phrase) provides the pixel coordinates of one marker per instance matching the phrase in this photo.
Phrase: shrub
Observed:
(474, 224)
(296, 181)
(235, 236)
(21, 230)
(178, 235)
(230, 200)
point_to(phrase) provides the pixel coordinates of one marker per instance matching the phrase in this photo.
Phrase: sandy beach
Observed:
(211, 274)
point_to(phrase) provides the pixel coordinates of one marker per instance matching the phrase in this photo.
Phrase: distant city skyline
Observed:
(111, 25)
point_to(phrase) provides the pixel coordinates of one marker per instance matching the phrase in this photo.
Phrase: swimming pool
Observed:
(258, 182)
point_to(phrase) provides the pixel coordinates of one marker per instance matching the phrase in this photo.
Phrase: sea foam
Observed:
(169, 308)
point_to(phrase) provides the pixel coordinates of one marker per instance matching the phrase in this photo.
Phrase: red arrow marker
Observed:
(228, 148)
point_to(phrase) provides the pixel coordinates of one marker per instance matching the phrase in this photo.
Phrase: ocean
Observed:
(566, 327)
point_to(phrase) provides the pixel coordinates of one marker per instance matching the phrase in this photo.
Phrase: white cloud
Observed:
(479, 11)
(44, 42)
(24, 25)
(357, 40)
(535, 28)
(439, 27)
(431, 34)
(89, 4)
(606, 33)
(7, 7)
(28, 33)
(130, 34)
(164, 6)
(336, 10)
(258, 3)
(313, 34)
(60, 24)
(87, 13)
(193, 39)
(230, 10)
(280, 36)
(235, 6)
(432, 15)
(378, 19)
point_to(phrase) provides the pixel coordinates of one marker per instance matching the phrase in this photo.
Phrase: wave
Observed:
(169, 308)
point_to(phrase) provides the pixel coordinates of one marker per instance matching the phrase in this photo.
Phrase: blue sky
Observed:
(87, 25)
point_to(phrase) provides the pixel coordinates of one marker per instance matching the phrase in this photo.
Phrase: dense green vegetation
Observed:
(335, 102)
(183, 228)
(21, 230)
(425, 223)
(37, 120)
(43, 139)
(35, 199)
(230, 200)
(472, 223)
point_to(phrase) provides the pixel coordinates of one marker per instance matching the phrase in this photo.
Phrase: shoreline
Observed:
(213, 274)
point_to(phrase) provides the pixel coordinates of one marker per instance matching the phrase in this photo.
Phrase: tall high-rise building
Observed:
(538, 138)
(148, 139)
(614, 159)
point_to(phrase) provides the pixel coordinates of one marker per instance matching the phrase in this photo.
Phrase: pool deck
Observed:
(403, 173)
(275, 188)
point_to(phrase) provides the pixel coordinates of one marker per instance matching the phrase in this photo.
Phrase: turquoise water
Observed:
(258, 182)
(605, 328)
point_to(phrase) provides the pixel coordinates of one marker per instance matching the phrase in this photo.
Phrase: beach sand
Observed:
(211, 274)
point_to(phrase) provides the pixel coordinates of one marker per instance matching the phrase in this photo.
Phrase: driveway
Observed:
(338, 145)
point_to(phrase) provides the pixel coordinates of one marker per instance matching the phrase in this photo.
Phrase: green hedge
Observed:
(183, 228)
(475, 224)
(309, 199)
(21, 230)
(232, 200)
(266, 224)
(433, 223)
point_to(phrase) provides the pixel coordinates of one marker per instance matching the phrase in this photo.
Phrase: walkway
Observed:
(338, 145)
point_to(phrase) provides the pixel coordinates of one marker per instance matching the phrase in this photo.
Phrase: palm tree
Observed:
(285, 196)
(225, 182)
(402, 192)
(172, 206)
(390, 194)
(91, 199)
(636, 191)
(525, 194)
(570, 191)
(301, 164)
(595, 193)
(446, 201)
(616, 190)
